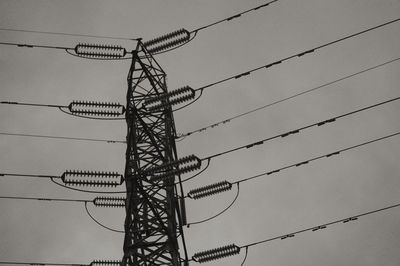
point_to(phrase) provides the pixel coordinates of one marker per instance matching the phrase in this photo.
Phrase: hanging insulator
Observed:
(216, 253)
(169, 170)
(160, 102)
(105, 263)
(210, 190)
(113, 202)
(86, 108)
(167, 41)
(96, 51)
(91, 178)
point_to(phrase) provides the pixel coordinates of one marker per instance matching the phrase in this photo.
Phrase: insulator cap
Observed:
(210, 190)
(105, 263)
(169, 170)
(98, 51)
(160, 102)
(112, 202)
(167, 41)
(87, 108)
(216, 253)
(92, 178)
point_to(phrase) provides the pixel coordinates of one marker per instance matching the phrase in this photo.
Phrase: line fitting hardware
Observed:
(163, 101)
(92, 178)
(168, 41)
(90, 108)
(168, 170)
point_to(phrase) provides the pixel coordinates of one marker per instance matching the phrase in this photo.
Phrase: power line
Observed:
(29, 175)
(74, 182)
(61, 137)
(225, 186)
(322, 226)
(317, 124)
(219, 123)
(114, 37)
(42, 263)
(234, 16)
(82, 178)
(45, 199)
(221, 212)
(88, 51)
(297, 55)
(328, 155)
(83, 109)
(189, 36)
(68, 34)
(233, 249)
(195, 31)
(35, 46)
(34, 104)
(99, 223)
(98, 202)
(93, 263)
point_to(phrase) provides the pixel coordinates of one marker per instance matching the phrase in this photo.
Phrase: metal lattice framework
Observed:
(153, 223)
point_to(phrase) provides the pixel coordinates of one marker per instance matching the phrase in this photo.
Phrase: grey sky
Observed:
(339, 187)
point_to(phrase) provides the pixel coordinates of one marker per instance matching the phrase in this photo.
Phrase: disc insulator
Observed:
(217, 253)
(169, 170)
(112, 202)
(210, 190)
(160, 102)
(168, 41)
(98, 51)
(104, 109)
(92, 178)
(105, 263)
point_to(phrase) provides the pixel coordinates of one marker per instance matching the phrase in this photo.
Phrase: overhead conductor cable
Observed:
(233, 249)
(228, 120)
(267, 66)
(157, 45)
(182, 36)
(308, 51)
(224, 186)
(286, 134)
(195, 162)
(84, 109)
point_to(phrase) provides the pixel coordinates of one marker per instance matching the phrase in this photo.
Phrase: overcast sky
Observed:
(354, 182)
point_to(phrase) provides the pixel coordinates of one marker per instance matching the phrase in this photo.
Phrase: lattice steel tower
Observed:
(153, 217)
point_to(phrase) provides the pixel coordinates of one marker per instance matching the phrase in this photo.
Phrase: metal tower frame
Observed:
(153, 221)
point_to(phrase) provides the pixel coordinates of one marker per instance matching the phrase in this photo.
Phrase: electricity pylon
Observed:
(153, 221)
